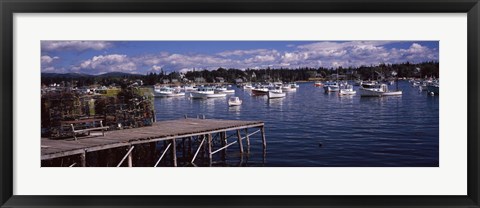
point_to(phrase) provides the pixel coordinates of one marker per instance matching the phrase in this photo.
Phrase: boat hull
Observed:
(377, 93)
(331, 88)
(197, 95)
(234, 103)
(348, 92)
(159, 94)
(273, 95)
(259, 92)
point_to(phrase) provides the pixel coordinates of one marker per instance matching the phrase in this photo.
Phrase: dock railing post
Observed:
(174, 153)
(83, 159)
(264, 141)
(248, 138)
(240, 141)
(130, 161)
(210, 148)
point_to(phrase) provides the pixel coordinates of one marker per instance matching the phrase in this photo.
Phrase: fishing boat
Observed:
(376, 90)
(189, 88)
(167, 92)
(331, 87)
(234, 101)
(206, 92)
(260, 90)
(318, 84)
(276, 92)
(223, 90)
(247, 87)
(348, 90)
(289, 87)
(272, 95)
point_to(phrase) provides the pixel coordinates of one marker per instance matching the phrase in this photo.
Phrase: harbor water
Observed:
(311, 128)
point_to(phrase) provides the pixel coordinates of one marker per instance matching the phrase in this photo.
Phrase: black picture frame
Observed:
(10, 7)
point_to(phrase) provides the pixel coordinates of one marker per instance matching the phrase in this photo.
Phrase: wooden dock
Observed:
(168, 131)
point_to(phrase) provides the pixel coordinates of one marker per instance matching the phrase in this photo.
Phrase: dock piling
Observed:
(240, 141)
(174, 153)
(130, 162)
(83, 159)
(210, 148)
(248, 138)
(264, 141)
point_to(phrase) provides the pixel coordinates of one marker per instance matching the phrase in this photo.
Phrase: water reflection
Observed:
(277, 102)
(235, 109)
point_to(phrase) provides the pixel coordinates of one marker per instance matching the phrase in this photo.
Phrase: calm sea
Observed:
(310, 128)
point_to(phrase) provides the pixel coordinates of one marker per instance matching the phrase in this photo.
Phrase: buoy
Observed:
(320, 145)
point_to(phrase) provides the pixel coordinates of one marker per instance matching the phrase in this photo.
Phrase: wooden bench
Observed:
(86, 130)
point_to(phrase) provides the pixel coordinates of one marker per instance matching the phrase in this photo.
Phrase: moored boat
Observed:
(167, 92)
(276, 94)
(223, 90)
(247, 87)
(234, 101)
(206, 92)
(375, 90)
(331, 87)
(260, 90)
(289, 87)
(348, 90)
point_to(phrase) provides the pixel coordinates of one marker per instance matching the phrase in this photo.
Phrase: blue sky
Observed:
(141, 57)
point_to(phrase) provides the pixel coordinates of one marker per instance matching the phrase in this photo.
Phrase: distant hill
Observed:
(66, 75)
(80, 75)
(118, 74)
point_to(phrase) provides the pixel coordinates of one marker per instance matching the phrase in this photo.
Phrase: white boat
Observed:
(276, 93)
(272, 95)
(189, 88)
(331, 87)
(247, 87)
(167, 92)
(234, 101)
(375, 90)
(223, 90)
(348, 90)
(205, 92)
(289, 87)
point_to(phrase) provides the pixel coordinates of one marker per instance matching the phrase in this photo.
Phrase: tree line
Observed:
(382, 71)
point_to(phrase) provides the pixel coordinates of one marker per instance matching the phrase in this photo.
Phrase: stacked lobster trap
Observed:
(131, 107)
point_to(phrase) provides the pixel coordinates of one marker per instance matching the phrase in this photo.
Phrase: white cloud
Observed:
(74, 45)
(48, 59)
(156, 68)
(247, 52)
(107, 63)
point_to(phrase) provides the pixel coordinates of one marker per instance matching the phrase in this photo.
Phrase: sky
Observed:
(142, 57)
